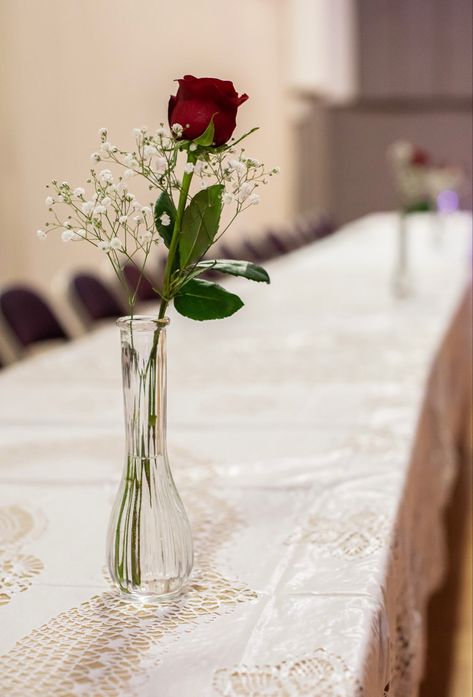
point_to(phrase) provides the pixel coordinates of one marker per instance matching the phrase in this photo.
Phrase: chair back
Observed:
(139, 283)
(29, 317)
(94, 299)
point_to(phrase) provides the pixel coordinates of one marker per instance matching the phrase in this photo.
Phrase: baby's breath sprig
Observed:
(106, 213)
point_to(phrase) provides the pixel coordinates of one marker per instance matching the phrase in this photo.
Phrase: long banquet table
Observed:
(313, 438)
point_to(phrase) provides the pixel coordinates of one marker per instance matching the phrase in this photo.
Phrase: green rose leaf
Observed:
(419, 207)
(200, 224)
(201, 300)
(235, 268)
(207, 137)
(165, 205)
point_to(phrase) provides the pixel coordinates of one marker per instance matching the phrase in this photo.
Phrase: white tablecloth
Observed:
(313, 475)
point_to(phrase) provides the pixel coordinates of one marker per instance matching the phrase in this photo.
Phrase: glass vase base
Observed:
(151, 598)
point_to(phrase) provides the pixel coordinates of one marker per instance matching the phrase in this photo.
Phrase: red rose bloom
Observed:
(420, 157)
(200, 98)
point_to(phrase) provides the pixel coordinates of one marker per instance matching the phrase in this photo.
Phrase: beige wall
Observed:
(69, 67)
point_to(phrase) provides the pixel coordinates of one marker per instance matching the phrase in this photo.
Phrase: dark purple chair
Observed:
(226, 252)
(29, 316)
(139, 283)
(252, 251)
(161, 266)
(94, 300)
(320, 228)
(280, 245)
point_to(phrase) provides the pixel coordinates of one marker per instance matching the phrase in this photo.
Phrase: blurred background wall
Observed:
(70, 67)
(331, 83)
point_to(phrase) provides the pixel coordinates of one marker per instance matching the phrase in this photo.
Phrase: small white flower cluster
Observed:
(240, 175)
(111, 219)
(153, 158)
(422, 180)
(448, 178)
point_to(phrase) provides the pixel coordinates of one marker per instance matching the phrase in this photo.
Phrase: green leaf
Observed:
(200, 224)
(207, 137)
(201, 300)
(420, 207)
(165, 204)
(235, 268)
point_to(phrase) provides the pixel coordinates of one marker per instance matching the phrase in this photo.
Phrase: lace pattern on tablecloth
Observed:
(107, 640)
(17, 569)
(320, 674)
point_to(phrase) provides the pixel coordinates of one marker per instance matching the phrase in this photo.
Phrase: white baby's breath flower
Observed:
(79, 191)
(161, 133)
(60, 198)
(130, 161)
(146, 235)
(149, 150)
(87, 207)
(137, 132)
(123, 219)
(95, 156)
(106, 147)
(161, 165)
(237, 166)
(135, 205)
(104, 245)
(128, 173)
(100, 209)
(400, 152)
(106, 201)
(49, 201)
(129, 196)
(115, 243)
(165, 219)
(244, 192)
(198, 167)
(189, 168)
(146, 210)
(177, 129)
(254, 199)
(227, 199)
(105, 175)
(67, 224)
(192, 147)
(67, 235)
(138, 218)
(41, 235)
(103, 132)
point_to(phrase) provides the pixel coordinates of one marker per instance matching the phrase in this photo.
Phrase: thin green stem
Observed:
(186, 182)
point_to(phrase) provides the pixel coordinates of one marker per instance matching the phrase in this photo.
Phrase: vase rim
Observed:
(142, 323)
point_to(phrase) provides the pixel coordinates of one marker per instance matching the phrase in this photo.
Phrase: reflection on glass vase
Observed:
(402, 281)
(149, 539)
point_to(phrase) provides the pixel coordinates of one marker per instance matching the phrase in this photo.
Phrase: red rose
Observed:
(200, 98)
(420, 157)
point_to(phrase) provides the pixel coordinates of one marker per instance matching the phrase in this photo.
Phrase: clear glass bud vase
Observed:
(402, 280)
(149, 539)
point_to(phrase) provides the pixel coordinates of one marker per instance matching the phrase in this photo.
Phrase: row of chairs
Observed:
(30, 319)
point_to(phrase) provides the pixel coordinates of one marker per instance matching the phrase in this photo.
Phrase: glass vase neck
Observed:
(143, 343)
